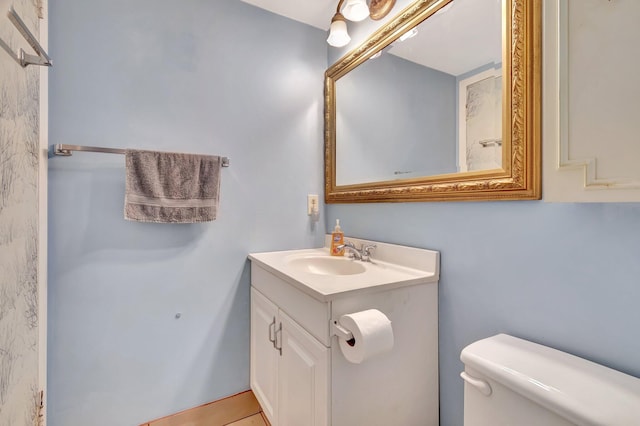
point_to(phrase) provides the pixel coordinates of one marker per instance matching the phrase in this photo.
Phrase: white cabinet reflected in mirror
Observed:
(441, 103)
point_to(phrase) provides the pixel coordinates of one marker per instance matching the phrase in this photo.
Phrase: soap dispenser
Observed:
(337, 239)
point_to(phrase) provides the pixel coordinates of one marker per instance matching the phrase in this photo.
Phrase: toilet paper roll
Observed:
(372, 333)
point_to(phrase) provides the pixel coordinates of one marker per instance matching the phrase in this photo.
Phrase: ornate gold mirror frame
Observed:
(520, 175)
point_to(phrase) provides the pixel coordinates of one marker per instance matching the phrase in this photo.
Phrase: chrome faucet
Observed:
(363, 253)
(366, 252)
(354, 252)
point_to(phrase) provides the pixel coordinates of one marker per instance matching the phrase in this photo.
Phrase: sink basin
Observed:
(326, 265)
(325, 277)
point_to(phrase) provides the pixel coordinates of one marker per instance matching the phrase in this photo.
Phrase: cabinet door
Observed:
(264, 356)
(590, 112)
(303, 394)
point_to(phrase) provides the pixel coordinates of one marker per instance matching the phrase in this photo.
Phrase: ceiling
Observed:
(317, 13)
(465, 35)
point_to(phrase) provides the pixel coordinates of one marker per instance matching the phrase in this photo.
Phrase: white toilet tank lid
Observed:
(581, 391)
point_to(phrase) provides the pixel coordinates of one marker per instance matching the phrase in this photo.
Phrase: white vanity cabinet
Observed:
(289, 367)
(298, 371)
(590, 111)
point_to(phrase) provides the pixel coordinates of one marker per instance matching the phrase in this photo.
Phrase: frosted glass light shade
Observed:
(356, 10)
(338, 35)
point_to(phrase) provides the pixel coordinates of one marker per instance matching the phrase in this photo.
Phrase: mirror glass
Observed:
(429, 103)
(441, 103)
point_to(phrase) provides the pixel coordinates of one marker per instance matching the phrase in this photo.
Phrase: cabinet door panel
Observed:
(590, 148)
(303, 394)
(264, 356)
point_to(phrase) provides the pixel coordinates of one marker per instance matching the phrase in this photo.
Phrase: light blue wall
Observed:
(224, 78)
(387, 106)
(216, 77)
(564, 275)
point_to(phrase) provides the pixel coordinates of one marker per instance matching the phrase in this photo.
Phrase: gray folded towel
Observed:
(168, 187)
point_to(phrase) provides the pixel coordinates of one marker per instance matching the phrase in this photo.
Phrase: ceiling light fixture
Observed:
(355, 10)
(338, 35)
(380, 8)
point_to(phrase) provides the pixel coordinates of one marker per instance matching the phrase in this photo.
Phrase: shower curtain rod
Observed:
(66, 151)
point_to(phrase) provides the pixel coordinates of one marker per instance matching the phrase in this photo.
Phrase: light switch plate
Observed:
(312, 205)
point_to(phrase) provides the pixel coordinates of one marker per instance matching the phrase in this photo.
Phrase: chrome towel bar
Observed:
(67, 150)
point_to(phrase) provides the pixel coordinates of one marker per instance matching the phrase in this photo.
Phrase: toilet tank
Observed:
(510, 381)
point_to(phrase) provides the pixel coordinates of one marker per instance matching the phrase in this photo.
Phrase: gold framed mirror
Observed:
(515, 172)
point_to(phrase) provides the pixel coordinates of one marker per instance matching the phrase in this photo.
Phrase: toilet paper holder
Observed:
(342, 333)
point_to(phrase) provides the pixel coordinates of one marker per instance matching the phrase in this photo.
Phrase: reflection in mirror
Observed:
(441, 103)
(429, 103)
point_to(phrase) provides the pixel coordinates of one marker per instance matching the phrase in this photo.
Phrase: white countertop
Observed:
(392, 266)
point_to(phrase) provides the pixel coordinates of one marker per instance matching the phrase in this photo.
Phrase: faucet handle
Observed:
(366, 251)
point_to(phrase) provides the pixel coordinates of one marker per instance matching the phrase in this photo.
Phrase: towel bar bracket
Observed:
(26, 59)
(42, 59)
